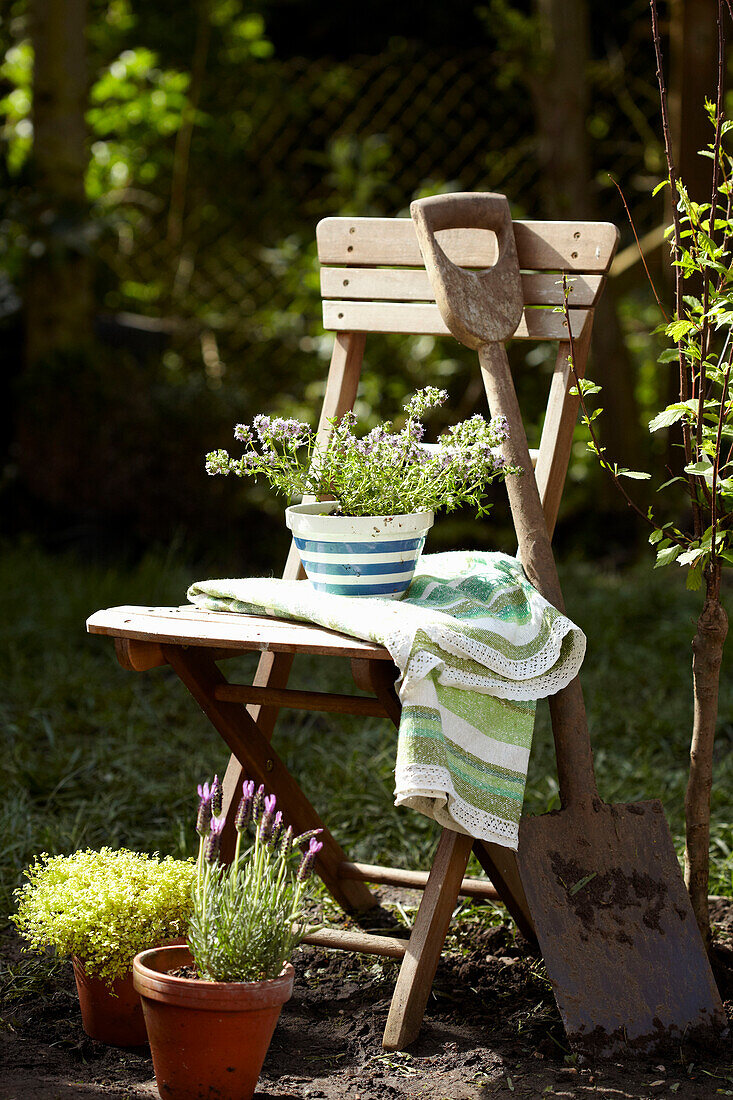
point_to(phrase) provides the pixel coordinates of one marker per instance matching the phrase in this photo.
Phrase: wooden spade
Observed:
(612, 916)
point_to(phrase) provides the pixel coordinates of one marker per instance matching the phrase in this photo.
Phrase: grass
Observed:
(92, 755)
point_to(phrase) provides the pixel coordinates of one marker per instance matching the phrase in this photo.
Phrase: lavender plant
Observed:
(385, 472)
(248, 916)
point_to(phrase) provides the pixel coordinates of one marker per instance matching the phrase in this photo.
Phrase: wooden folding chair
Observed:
(373, 280)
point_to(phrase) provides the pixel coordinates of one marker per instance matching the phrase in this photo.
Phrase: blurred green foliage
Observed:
(219, 134)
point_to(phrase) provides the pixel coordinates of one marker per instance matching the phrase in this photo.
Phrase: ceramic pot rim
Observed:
(151, 981)
(318, 513)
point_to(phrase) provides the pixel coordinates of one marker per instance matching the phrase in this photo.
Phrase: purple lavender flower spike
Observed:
(257, 803)
(216, 796)
(267, 817)
(204, 814)
(277, 829)
(213, 840)
(244, 809)
(306, 863)
(287, 842)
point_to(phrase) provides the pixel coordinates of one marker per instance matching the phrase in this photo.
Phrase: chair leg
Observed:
(500, 864)
(426, 941)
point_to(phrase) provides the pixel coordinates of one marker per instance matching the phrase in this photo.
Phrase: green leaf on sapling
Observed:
(678, 329)
(670, 482)
(690, 557)
(692, 302)
(700, 469)
(668, 416)
(693, 580)
(667, 555)
(586, 386)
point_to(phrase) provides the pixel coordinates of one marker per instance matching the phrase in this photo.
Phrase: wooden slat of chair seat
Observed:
(190, 626)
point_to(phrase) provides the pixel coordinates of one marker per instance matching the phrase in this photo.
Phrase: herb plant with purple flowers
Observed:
(383, 473)
(248, 916)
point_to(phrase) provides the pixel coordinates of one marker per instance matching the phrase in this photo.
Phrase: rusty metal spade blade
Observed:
(612, 916)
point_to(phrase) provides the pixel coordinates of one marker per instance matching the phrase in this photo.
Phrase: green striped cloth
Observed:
(476, 646)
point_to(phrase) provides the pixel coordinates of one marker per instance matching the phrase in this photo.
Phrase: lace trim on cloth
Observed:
(430, 791)
(543, 675)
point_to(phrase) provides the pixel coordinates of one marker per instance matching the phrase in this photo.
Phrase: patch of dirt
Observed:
(491, 1031)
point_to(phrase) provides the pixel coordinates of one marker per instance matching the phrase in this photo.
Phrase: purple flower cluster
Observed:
(425, 399)
(243, 434)
(279, 429)
(306, 863)
(257, 808)
(213, 841)
(210, 796)
(217, 462)
(384, 472)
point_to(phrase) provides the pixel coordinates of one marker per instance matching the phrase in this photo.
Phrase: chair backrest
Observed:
(380, 283)
(373, 280)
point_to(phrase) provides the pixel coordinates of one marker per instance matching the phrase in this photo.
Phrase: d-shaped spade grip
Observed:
(479, 307)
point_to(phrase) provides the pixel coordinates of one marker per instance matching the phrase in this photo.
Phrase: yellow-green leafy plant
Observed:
(104, 907)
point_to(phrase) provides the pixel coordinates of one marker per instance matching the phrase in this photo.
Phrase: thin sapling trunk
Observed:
(707, 656)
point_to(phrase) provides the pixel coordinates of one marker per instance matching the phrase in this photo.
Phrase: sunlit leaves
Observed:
(17, 129)
(133, 104)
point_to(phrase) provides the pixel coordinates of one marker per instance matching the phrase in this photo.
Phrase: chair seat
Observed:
(189, 625)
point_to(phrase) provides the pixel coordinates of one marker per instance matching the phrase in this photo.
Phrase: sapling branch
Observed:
(587, 417)
(706, 276)
(716, 463)
(638, 245)
(677, 231)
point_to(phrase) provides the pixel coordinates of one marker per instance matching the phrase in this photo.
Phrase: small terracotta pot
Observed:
(208, 1039)
(112, 1015)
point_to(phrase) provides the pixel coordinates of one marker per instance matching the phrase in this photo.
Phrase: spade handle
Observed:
(567, 708)
(482, 309)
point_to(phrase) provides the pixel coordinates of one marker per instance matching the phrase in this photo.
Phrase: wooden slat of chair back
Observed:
(384, 287)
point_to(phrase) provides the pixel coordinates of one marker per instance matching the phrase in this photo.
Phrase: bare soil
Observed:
(491, 1030)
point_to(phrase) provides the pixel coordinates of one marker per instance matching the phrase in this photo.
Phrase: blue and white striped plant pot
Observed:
(357, 555)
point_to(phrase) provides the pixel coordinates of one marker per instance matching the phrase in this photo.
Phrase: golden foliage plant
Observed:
(104, 906)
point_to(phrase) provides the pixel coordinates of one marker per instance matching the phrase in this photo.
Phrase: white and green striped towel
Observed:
(476, 646)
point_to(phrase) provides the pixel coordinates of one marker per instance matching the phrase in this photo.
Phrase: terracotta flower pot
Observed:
(208, 1039)
(110, 1015)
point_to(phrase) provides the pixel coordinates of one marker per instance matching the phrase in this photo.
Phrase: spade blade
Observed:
(616, 928)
